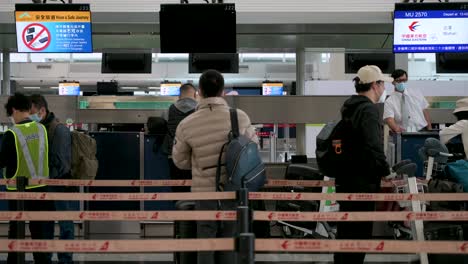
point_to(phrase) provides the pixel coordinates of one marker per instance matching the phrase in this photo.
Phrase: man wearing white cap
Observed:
(459, 128)
(365, 163)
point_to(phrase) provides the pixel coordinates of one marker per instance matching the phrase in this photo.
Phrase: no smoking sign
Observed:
(36, 37)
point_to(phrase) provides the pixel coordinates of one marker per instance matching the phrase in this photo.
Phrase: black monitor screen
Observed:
(131, 63)
(354, 61)
(198, 28)
(107, 88)
(451, 63)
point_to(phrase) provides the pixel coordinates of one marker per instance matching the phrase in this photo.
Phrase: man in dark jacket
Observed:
(367, 162)
(59, 162)
(177, 112)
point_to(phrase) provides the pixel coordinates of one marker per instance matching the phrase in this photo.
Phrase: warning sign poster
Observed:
(54, 31)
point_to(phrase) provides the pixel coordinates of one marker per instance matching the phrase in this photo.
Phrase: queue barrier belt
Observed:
(285, 196)
(228, 244)
(169, 183)
(231, 216)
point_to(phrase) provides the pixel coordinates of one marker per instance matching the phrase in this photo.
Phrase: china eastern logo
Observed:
(414, 26)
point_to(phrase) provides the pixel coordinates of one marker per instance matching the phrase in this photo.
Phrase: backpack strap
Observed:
(218, 168)
(234, 123)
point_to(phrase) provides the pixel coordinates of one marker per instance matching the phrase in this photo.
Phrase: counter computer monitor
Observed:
(69, 88)
(107, 88)
(170, 89)
(430, 27)
(198, 28)
(53, 28)
(248, 90)
(272, 88)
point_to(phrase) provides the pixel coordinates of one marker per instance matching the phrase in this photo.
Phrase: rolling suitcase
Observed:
(446, 232)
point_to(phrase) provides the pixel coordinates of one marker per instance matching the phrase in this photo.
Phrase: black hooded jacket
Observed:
(368, 162)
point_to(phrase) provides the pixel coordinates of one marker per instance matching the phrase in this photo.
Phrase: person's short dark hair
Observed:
(398, 73)
(463, 115)
(186, 87)
(39, 101)
(19, 102)
(362, 87)
(211, 83)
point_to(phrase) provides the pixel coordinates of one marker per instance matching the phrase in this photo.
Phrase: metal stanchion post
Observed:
(21, 183)
(245, 242)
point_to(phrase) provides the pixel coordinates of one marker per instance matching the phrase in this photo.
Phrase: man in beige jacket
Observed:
(198, 142)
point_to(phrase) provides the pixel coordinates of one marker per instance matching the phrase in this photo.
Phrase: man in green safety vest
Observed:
(24, 152)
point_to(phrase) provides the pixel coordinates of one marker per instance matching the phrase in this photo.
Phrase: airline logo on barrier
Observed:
(413, 26)
(105, 246)
(464, 247)
(12, 245)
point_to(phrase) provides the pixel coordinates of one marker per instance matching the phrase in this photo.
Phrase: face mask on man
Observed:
(400, 87)
(383, 97)
(35, 117)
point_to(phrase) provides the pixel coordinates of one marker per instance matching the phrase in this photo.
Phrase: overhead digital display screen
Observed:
(430, 28)
(69, 88)
(170, 89)
(272, 88)
(53, 28)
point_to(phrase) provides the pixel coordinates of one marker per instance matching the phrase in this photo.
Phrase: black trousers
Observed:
(38, 229)
(178, 174)
(354, 230)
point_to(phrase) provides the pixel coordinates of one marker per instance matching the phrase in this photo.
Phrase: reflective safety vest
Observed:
(32, 152)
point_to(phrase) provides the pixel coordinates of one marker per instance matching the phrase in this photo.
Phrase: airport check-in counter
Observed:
(130, 155)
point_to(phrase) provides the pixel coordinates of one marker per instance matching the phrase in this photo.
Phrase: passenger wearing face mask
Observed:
(60, 156)
(367, 162)
(24, 152)
(406, 108)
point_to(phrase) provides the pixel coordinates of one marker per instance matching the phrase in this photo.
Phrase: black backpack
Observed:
(332, 150)
(244, 165)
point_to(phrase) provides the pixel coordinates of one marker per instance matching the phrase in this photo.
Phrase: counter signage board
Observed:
(53, 28)
(429, 29)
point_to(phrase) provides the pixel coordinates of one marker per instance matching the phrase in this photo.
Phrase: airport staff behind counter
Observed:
(24, 152)
(406, 109)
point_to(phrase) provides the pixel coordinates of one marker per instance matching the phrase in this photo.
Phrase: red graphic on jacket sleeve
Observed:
(380, 246)
(285, 245)
(12, 245)
(105, 246)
